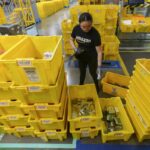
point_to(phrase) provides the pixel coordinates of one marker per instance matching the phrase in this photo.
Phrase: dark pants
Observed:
(91, 62)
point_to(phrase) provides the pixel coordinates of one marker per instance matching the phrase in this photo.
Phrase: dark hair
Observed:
(85, 17)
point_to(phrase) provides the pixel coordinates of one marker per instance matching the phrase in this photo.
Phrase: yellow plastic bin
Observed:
(41, 93)
(111, 22)
(45, 8)
(6, 92)
(127, 131)
(67, 26)
(76, 11)
(85, 132)
(66, 36)
(139, 98)
(45, 110)
(112, 12)
(111, 51)
(109, 30)
(20, 131)
(32, 60)
(110, 45)
(127, 25)
(50, 123)
(99, 28)
(135, 87)
(6, 42)
(11, 107)
(142, 65)
(69, 51)
(52, 134)
(112, 84)
(139, 129)
(142, 85)
(142, 115)
(67, 45)
(98, 13)
(14, 120)
(82, 92)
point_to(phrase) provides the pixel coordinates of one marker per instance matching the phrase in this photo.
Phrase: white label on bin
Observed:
(85, 119)
(20, 129)
(48, 55)
(85, 133)
(34, 89)
(12, 118)
(4, 104)
(41, 107)
(50, 133)
(46, 121)
(24, 63)
(32, 74)
(118, 134)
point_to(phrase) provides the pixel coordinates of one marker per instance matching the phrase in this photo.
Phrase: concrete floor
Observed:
(52, 26)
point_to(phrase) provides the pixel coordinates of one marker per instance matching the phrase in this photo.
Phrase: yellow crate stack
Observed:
(127, 130)
(67, 26)
(104, 20)
(36, 97)
(47, 8)
(110, 47)
(9, 105)
(111, 19)
(134, 22)
(137, 99)
(76, 11)
(84, 126)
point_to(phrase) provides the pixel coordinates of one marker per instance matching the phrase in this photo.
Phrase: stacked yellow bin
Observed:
(104, 20)
(76, 11)
(111, 47)
(88, 125)
(39, 87)
(134, 23)
(98, 13)
(104, 16)
(47, 8)
(10, 111)
(137, 100)
(111, 19)
(67, 26)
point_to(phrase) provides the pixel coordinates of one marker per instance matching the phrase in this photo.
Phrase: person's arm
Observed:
(99, 55)
(72, 40)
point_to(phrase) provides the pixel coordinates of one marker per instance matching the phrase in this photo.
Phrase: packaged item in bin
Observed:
(112, 121)
(83, 107)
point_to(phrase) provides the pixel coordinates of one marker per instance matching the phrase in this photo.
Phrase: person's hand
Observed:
(98, 73)
(75, 49)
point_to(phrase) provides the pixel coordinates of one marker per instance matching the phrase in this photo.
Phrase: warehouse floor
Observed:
(52, 26)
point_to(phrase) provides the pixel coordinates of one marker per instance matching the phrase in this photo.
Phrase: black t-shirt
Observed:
(87, 41)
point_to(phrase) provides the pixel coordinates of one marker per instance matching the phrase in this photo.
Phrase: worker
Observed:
(89, 51)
